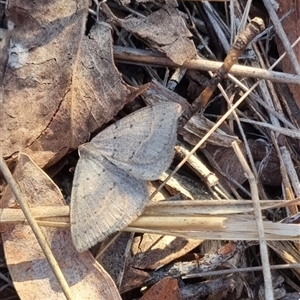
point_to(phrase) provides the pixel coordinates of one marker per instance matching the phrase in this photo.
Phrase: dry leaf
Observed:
(166, 289)
(210, 288)
(65, 81)
(29, 269)
(133, 278)
(165, 31)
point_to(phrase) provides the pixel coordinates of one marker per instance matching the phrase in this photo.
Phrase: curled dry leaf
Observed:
(165, 31)
(159, 93)
(29, 269)
(58, 84)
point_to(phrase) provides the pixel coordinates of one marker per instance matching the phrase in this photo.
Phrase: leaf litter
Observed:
(46, 142)
(68, 83)
(29, 269)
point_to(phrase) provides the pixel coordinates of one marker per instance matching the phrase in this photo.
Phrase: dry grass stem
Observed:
(287, 160)
(228, 228)
(188, 219)
(162, 208)
(261, 230)
(198, 167)
(285, 131)
(203, 140)
(153, 58)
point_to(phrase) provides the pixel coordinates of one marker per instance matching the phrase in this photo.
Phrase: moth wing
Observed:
(104, 199)
(142, 143)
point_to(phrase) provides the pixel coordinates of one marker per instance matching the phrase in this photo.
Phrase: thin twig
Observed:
(203, 140)
(239, 270)
(155, 58)
(252, 30)
(287, 160)
(259, 221)
(285, 131)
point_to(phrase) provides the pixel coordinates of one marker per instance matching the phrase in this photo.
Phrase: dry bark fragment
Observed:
(156, 251)
(292, 28)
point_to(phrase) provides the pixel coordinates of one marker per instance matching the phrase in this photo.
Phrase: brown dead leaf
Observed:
(165, 31)
(166, 289)
(59, 85)
(292, 28)
(29, 269)
(133, 278)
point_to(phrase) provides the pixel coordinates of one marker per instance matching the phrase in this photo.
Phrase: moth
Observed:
(109, 186)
